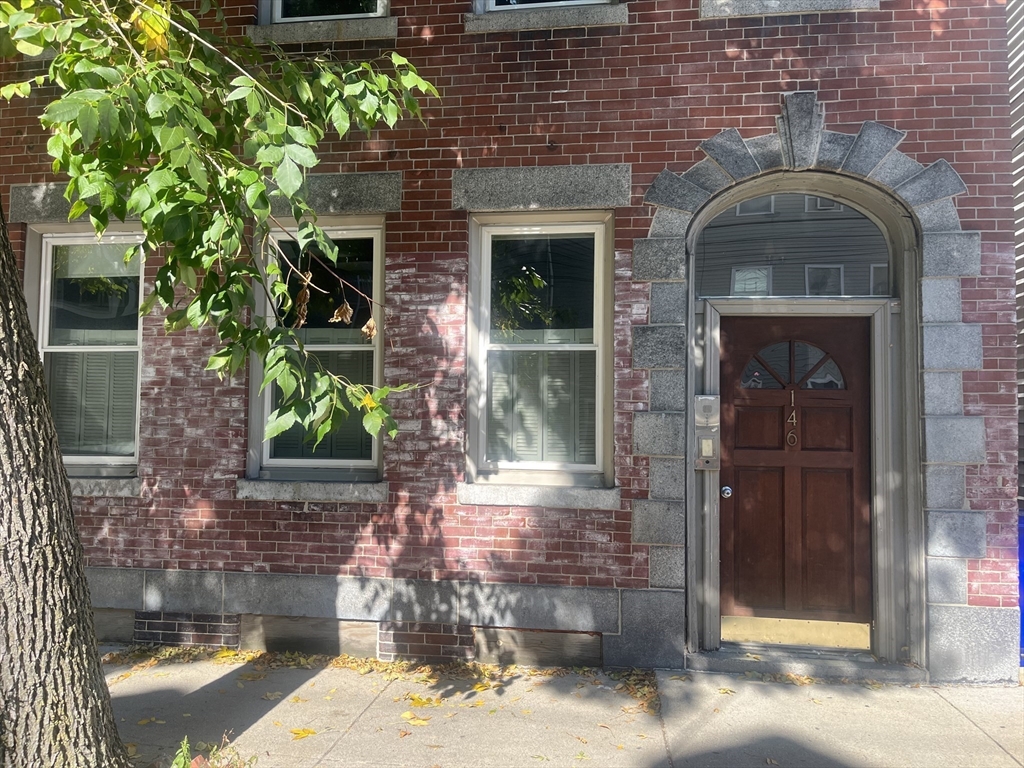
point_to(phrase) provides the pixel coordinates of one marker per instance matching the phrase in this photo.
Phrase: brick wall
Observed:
(163, 628)
(644, 94)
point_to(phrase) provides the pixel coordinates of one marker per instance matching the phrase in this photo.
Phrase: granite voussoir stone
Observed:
(766, 151)
(669, 222)
(708, 175)
(731, 153)
(894, 169)
(874, 141)
(954, 254)
(935, 182)
(832, 150)
(672, 191)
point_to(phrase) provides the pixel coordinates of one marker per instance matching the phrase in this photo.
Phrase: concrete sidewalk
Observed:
(344, 718)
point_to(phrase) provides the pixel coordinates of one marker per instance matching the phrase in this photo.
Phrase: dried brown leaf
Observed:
(342, 314)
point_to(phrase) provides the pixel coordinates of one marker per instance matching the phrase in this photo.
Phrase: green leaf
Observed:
(288, 177)
(88, 124)
(373, 421)
(62, 111)
(279, 422)
(27, 48)
(239, 93)
(304, 156)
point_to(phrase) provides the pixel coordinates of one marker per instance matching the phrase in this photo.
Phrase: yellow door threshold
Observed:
(820, 634)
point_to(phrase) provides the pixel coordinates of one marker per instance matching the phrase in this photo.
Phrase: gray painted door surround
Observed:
(921, 601)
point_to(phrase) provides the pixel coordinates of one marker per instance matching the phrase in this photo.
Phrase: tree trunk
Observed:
(54, 703)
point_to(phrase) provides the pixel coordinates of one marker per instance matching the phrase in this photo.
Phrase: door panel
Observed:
(760, 545)
(796, 533)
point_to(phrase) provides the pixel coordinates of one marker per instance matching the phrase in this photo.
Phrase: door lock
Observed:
(726, 492)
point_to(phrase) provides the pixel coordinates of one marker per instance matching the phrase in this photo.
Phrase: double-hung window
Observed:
(90, 334)
(541, 352)
(501, 5)
(350, 288)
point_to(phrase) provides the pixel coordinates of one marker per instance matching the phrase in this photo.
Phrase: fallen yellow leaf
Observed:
(726, 691)
(301, 733)
(403, 733)
(296, 700)
(271, 695)
(252, 676)
(131, 749)
(279, 724)
(146, 721)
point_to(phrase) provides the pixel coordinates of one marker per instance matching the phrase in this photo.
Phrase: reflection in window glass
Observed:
(752, 281)
(805, 357)
(827, 376)
(542, 289)
(308, 9)
(756, 376)
(824, 280)
(879, 279)
(784, 234)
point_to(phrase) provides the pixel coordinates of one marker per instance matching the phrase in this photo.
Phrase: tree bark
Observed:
(54, 704)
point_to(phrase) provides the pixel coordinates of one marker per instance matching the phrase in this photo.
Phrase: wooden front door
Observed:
(796, 529)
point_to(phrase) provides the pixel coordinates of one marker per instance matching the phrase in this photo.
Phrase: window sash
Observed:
(277, 18)
(374, 348)
(492, 5)
(116, 355)
(486, 347)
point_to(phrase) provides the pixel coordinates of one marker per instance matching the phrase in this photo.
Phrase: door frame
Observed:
(892, 488)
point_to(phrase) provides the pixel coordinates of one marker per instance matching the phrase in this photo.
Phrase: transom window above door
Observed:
(792, 365)
(792, 245)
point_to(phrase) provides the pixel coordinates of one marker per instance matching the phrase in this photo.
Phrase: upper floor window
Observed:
(541, 349)
(496, 5)
(89, 338)
(792, 245)
(317, 10)
(340, 300)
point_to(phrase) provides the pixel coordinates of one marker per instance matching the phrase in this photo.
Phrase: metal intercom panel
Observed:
(707, 411)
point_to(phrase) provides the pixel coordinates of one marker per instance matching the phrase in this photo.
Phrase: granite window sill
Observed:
(301, 490)
(724, 9)
(520, 19)
(298, 32)
(557, 497)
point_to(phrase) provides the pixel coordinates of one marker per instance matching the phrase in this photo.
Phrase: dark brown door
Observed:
(796, 531)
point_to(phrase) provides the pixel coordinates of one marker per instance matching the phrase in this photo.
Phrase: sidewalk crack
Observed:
(971, 721)
(664, 734)
(352, 724)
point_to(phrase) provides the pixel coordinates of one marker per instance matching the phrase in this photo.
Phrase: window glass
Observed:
(540, 352)
(328, 316)
(518, 3)
(791, 245)
(91, 346)
(307, 9)
(770, 368)
(542, 289)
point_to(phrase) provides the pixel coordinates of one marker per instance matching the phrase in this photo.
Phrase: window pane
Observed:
(824, 281)
(805, 357)
(93, 398)
(297, 9)
(351, 442)
(346, 281)
(542, 406)
(826, 377)
(94, 296)
(514, 3)
(752, 281)
(785, 233)
(542, 289)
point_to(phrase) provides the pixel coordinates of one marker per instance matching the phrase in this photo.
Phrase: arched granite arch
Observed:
(949, 532)
(803, 144)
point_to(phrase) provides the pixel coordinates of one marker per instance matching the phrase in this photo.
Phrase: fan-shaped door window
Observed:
(792, 245)
(776, 365)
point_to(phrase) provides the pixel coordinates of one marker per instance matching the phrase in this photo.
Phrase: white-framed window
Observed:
(751, 281)
(506, 5)
(320, 10)
(814, 204)
(356, 279)
(757, 206)
(540, 347)
(90, 337)
(823, 279)
(880, 280)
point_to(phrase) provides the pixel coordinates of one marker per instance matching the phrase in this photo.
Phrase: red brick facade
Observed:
(645, 94)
